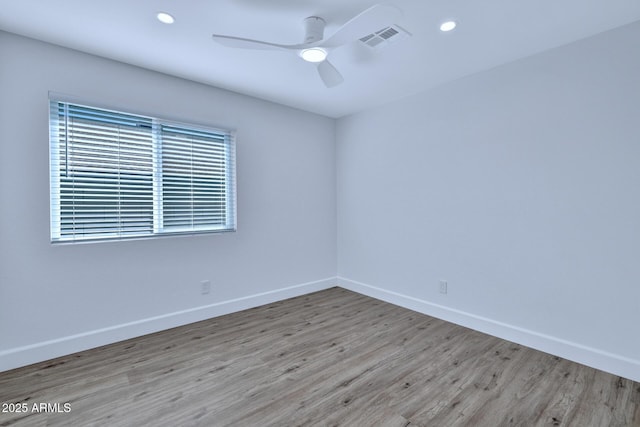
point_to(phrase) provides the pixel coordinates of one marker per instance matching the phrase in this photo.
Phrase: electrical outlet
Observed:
(443, 286)
(205, 287)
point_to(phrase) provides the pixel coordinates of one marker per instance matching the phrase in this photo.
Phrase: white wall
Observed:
(59, 299)
(520, 186)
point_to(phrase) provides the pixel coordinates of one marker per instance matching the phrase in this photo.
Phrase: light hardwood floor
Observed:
(333, 358)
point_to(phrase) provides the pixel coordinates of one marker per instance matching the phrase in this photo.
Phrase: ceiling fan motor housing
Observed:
(314, 29)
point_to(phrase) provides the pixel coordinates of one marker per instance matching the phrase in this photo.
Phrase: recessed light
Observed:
(314, 54)
(448, 26)
(165, 18)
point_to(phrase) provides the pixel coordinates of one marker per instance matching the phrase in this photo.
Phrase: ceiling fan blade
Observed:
(329, 74)
(375, 18)
(242, 43)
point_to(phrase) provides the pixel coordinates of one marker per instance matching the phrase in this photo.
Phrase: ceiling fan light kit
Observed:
(314, 54)
(316, 47)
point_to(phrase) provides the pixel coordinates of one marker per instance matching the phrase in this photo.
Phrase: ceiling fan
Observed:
(316, 47)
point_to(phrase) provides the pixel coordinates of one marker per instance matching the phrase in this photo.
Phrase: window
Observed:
(117, 175)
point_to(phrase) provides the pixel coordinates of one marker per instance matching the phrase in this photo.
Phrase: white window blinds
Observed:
(194, 176)
(117, 175)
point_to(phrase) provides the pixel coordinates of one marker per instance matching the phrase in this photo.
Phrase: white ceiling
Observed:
(490, 33)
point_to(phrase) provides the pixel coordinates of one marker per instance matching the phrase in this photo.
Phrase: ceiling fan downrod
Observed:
(314, 29)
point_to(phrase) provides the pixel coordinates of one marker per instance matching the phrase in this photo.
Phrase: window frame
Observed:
(158, 229)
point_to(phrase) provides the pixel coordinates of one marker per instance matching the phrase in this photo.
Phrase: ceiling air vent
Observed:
(385, 36)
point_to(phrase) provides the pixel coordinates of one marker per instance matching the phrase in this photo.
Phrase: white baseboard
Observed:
(595, 358)
(599, 359)
(38, 352)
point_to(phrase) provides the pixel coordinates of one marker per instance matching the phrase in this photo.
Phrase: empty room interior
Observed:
(283, 213)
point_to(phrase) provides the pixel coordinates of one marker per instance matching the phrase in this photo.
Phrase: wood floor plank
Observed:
(333, 358)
